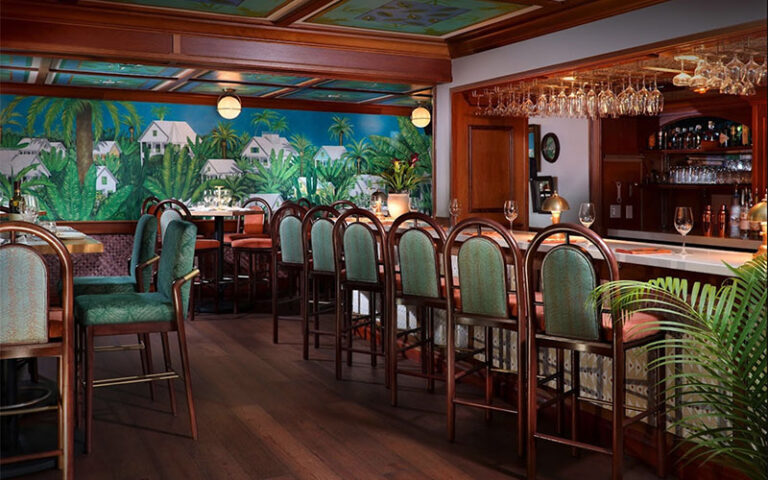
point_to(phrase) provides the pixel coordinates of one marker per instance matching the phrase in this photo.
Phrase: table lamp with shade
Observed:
(556, 205)
(758, 214)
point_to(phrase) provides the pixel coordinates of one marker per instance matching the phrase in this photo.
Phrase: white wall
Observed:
(665, 21)
(571, 167)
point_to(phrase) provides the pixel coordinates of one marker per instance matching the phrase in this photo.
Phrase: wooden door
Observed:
(489, 163)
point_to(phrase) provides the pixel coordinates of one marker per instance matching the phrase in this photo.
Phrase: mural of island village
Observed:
(97, 160)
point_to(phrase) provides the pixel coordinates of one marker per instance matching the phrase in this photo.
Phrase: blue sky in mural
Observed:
(204, 118)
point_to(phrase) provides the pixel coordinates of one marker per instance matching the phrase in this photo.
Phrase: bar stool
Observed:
(415, 279)
(343, 204)
(489, 267)
(360, 254)
(205, 248)
(287, 253)
(254, 225)
(566, 321)
(319, 267)
(255, 241)
(148, 203)
(30, 327)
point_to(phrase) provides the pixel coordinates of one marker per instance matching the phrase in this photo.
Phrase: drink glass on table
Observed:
(510, 211)
(587, 214)
(683, 223)
(455, 210)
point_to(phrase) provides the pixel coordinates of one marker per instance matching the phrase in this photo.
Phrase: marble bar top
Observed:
(699, 260)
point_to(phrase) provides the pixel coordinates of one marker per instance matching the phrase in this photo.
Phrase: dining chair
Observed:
(360, 254)
(31, 327)
(415, 245)
(286, 254)
(206, 249)
(252, 226)
(160, 311)
(319, 269)
(343, 204)
(148, 203)
(140, 264)
(304, 202)
(488, 277)
(565, 320)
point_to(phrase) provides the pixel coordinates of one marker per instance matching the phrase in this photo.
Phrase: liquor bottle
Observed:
(660, 140)
(745, 136)
(735, 214)
(675, 140)
(652, 141)
(724, 137)
(706, 222)
(754, 227)
(722, 219)
(697, 136)
(711, 134)
(688, 138)
(16, 204)
(735, 136)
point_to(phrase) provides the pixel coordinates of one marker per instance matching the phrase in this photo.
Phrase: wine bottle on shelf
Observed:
(724, 137)
(706, 222)
(16, 204)
(660, 140)
(735, 136)
(697, 136)
(711, 134)
(722, 220)
(746, 136)
(735, 213)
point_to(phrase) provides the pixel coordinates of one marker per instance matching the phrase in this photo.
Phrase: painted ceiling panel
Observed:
(15, 76)
(17, 61)
(118, 68)
(375, 86)
(245, 8)
(104, 81)
(254, 78)
(219, 87)
(426, 17)
(331, 95)
(406, 101)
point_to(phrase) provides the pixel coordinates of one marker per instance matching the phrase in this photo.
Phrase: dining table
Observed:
(74, 240)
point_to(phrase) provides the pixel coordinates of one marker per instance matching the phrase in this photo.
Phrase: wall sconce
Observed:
(758, 214)
(555, 205)
(229, 105)
(420, 117)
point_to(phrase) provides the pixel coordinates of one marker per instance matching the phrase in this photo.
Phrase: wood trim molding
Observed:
(196, 99)
(128, 227)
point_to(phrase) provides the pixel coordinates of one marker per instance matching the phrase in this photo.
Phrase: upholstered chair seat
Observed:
(128, 307)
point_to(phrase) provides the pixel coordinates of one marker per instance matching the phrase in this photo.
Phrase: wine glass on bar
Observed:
(683, 223)
(510, 211)
(587, 214)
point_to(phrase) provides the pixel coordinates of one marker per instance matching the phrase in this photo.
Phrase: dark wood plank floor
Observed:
(264, 413)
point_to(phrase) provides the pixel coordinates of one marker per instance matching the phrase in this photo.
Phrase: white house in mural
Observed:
(259, 148)
(329, 153)
(220, 168)
(106, 182)
(161, 133)
(12, 161)
(35, 145)
(104, 148)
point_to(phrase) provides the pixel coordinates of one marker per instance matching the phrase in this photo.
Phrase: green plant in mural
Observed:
(279, 124)
(716, 357)
(278, 177)
(359, 153)
(160, 111)
(83, 116)
(133, 122)
(202, 148)
(240, 186)
(54, 160)
(305, 151)
(340, 127)
(339, 175)
(9, 116)
(225, 137)
(178, 177)
(28, 186)
(263, 118)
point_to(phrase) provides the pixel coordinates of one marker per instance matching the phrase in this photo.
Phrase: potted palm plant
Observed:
(716, 347)
(400, 178)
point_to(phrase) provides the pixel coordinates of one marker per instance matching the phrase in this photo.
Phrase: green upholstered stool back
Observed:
(290, 240)
(166, 218)
(482, 278)
(418, 270)
(24, 297)
(567, 278)
(322, 245)
(360, 254)
(144, 248)
(176, 258)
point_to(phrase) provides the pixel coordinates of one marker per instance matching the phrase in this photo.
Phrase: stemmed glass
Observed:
(587, 214)
(683, 223)
(29, 210)
(510, 211)
(455, 210)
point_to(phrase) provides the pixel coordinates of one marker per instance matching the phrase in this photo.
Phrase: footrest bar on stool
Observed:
(150, 377)
(119, 348)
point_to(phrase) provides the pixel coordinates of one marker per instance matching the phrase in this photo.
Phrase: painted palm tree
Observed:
(160, 111)
(83, 116)
(359, 152)
(224, 136)
(340, 127)
(304, 150)
(8, 116)
(263, 118)
(133, 122)
(279, 124)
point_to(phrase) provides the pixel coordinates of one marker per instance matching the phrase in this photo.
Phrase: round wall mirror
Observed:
(550, 147)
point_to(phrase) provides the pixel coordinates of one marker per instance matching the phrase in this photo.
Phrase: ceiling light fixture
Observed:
(420, 117)
(229, 105)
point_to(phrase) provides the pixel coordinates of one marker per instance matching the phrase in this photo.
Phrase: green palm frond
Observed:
(718, 336)
(340, 127)
(278, 178)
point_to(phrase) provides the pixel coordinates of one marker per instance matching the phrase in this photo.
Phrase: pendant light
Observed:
(229, 105)
(420, 117)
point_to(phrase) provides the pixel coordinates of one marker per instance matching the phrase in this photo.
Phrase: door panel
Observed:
(491, 176)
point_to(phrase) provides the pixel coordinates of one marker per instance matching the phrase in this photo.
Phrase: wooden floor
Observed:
(264, 413)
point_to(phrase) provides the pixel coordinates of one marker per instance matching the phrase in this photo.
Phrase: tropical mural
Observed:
(97, 160)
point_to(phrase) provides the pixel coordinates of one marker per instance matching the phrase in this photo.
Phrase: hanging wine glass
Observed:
(682, 79)
(581, 102)
(640, 100)
(592, 102)
(752, 69)
(603, 104)
(572, 102)
(625, 99)
(562, 103)
(716, 73)
(552, 106)
(656, 100)
(734, 69)
(529, 108)
(541, 104)
(699, 79)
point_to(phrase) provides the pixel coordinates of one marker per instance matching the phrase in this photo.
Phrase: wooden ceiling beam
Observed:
(43, 70)
(301, 11)
(195, 98)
